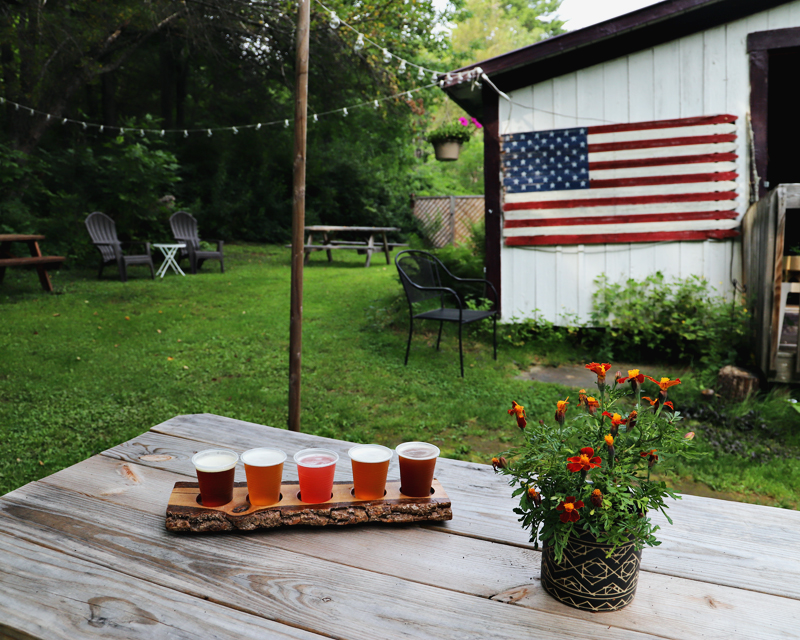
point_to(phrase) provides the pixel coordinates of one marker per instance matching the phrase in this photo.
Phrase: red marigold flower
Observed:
(519, 410)
(592, 405)
(616, 420)
(652, 457)
(569, 506)
(634, 377)
(665, 383)
(600, 370)
(669, 404)
(653, 403)
(561, 409)
(582, 398)
(535, 496)
(584, 461)
(597, 498)
(632, 419)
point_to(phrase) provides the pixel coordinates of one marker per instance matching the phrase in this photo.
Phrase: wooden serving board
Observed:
(185, 513)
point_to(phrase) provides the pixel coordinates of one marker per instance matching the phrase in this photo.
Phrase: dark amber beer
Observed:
(215, 469)
(370, 464)
(417, 464)
(264, 469)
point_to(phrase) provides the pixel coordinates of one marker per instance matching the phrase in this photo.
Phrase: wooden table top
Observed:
(320, 227)
(85, 554)
(19, 237)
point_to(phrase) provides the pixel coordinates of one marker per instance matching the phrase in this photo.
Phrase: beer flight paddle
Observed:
(216, 503)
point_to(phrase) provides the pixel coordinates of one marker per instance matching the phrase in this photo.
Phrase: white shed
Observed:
(679, 103)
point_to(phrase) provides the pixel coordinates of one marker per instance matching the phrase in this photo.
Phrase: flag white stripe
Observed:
(626, 209)
(660, 134)
(663, 152)
(665, 170)
(620, 192)
(636, 227)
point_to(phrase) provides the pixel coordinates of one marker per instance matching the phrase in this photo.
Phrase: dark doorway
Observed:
(783, 123)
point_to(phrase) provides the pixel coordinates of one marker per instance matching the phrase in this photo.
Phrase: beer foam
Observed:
(263, 457)
(370, 453)
(316, 457)
(430, 451)
(213, 460)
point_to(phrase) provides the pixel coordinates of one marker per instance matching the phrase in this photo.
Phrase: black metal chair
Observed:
(184, 228)
(103, 232)
(424, 278)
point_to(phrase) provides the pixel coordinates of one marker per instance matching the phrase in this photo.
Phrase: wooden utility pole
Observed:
(298, 212)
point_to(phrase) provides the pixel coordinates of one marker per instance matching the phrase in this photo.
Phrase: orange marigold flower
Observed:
(632, 419)
(584, 461)
(499, 463)
(597, 498)
(600, 370)
(634, 377)
(561, 409)
(582, 398)
(616, 420)
(592, 405)
(519, 410)
(669, 404)
(652, 457)
(609, 440)
(569, 508)
(535, 496)
(665, 383)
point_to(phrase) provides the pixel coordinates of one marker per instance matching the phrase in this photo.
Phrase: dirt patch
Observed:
(577, 376)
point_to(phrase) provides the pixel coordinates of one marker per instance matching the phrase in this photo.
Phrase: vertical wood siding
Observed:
(706, 73)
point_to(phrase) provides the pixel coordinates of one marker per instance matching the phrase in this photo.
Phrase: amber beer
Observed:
(370, 464)
(264, 469)
(417, 464)
(215, 469)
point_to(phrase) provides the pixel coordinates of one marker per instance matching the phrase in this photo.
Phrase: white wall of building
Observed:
(703, 74)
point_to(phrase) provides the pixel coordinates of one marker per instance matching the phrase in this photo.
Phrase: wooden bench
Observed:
(36, 259)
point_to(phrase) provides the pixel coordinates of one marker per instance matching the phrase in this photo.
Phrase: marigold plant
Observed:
(592, 471)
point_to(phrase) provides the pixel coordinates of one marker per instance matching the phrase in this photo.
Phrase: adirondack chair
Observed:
(103, 232)
(184, 228)
(425, 279)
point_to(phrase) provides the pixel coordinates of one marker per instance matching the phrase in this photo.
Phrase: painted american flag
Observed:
(638, 182)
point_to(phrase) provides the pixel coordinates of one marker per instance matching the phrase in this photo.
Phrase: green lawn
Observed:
(103, 361)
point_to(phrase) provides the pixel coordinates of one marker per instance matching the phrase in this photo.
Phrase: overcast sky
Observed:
(582, 13)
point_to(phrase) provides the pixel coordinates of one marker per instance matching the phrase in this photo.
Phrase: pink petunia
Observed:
(477, 124)
(464, 121)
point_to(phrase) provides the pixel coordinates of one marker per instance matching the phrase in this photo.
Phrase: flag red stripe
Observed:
(617, 238)
(658, 162)
(663, 142)
(648, 217)
(678, 179)
(661, 124)
(609, 202)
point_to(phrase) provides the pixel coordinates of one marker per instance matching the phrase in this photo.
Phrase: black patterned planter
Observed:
(587, 580)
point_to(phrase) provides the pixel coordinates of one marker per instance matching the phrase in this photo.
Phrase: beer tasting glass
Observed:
(370, 465)
(315, 469)
(417, 464)
(264, 469)
(215, 469)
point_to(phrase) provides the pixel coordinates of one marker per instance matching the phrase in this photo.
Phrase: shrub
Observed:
(678, 321)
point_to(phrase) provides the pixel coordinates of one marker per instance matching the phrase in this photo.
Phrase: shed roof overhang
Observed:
(626, 34)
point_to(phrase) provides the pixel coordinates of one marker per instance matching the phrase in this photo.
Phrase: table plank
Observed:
(728, 543)
(664, 606)
(48, 594)
(296, 589)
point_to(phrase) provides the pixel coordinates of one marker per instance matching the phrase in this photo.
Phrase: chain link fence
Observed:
(448, 219)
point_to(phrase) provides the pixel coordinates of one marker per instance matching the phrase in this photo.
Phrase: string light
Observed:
(421, 74)
(185, 133)
(83, 124)
(359, 45)
(121, 131)
(162, 133)
(258, 126)
(315, 118)
(141, 132)
(387, 57)
(64, 121)
(402, 67)
(285, 124)
(376, 104)
(344, 112)
(235, 130)
(209, 133)
(335, 22)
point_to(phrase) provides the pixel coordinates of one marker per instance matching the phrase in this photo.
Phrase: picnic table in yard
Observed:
(85, 554)
(7, 259)
(368, 246)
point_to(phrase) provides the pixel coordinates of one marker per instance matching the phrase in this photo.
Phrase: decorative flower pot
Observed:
(586, 579)
(447, 151)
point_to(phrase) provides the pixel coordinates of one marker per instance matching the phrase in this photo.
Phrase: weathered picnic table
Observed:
(368, 246)
(85, 554)
(36, 259)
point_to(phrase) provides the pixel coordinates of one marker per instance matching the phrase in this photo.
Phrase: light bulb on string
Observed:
(16, 107)
(102, 126)
(344, 112)
(335, 22)
(376, 104)
(408, 95)
(83, 124)
(258, 126)
(285, 124)
(235, 131)
(64, 121)
(421, 74)
(315, 118)
(209, 133)
(359, 45)
(434, 76)
(32, 111)
(402, 67)
(185, 133)
(387, 57)
(162, 133)
(48, 117)
(141, 132)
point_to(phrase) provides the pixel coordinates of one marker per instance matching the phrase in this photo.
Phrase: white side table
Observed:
(169, 251)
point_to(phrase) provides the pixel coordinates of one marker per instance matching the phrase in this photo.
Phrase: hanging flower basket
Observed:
(448, 138)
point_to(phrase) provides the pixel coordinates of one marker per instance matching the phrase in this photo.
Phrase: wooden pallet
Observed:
(185, 513)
